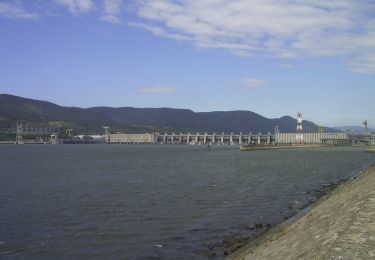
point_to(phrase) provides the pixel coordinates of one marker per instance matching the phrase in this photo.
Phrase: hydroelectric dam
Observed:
(260, 139)
(232, 138)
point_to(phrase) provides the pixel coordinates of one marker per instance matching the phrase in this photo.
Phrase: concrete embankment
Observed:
(341, 226)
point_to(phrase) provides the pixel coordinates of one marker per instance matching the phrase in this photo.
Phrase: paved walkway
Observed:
(340, 227)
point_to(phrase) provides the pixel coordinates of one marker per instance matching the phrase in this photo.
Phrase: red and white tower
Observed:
(299, 134)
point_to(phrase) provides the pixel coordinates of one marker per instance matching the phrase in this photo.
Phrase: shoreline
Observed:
(279, 147)
(275, 243)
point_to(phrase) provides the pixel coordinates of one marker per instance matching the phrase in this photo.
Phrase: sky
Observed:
(272, 57)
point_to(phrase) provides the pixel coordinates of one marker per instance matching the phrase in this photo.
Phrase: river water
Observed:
(154, 201)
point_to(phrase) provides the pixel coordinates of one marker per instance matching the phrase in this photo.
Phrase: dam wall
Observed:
(340, 226)
(231, 138)
(312, 138)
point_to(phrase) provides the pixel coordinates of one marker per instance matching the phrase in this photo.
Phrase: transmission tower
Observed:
(68, 132)
(19, 133)
(299, 134)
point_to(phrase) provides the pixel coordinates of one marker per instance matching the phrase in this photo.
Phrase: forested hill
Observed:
(129, 119)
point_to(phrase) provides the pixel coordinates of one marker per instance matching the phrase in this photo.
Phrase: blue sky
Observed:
(274, 57)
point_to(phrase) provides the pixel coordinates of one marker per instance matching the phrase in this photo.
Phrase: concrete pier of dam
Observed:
(339, 226)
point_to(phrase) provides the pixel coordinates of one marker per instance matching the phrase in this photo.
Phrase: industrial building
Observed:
(131, 138)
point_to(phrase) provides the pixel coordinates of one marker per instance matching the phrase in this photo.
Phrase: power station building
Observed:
(131, 138)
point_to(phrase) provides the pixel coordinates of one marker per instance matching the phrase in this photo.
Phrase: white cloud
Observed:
(158, 90)
(159, 31)
(77, 6)
(365, 64)
(253, 83)
(16, 11)
(112, 10)
(289, 29)
(273, 28)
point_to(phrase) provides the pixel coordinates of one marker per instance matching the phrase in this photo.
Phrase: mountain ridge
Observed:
(132, 120)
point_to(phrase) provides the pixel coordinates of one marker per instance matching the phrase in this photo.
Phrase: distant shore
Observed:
(338, 226)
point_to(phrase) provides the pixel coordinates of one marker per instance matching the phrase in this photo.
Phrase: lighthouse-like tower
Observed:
(299, 133)
(106, 135)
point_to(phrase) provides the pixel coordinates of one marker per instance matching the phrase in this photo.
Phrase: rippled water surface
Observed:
(167, 202)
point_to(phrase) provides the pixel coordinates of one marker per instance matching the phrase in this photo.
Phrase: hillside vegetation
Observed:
(128, 119)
